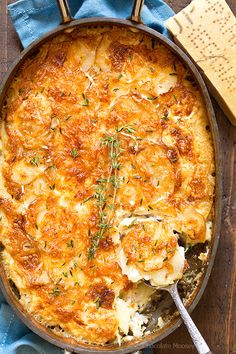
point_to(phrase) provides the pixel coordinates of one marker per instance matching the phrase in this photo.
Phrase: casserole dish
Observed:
(8, 286)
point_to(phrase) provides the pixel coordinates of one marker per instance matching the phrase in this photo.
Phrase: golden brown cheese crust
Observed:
(79, 88)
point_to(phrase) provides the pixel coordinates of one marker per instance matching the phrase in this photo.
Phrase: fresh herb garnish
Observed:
(55, 292)
(133, 223)
(74, 153)
(128, 128)
(87, 199)
(151, 98)
(86, 100)
(21, 91)
(70, 244)
(165, 116)
(98, 302)
(140, 260)
(113, 144)
(35, 161)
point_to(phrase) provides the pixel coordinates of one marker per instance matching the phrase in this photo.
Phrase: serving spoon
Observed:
(196, 336)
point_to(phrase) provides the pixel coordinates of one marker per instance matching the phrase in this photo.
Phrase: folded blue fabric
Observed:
(32, 18)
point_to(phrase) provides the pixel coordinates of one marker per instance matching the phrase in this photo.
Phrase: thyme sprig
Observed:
(113, 143)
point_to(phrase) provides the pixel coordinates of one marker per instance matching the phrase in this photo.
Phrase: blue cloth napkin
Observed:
(32, 18)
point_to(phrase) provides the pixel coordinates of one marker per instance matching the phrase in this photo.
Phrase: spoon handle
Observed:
(196, 336)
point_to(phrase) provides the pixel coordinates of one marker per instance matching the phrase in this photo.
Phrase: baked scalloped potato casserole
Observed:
(107, 175)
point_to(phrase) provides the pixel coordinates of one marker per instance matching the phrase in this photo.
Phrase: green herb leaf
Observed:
(21, 91)
(165, 117)
(74, 153)
(151, 98)
(70, 244)
(86, 100)
(98, 303)
(128, 128)
(140, 260)
(133, 223)
(35, 161)
(55, 292)
(87, 199)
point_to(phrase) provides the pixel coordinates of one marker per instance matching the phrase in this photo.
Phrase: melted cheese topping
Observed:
(101, 127)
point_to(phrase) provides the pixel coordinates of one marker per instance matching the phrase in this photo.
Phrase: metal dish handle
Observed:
(65, 11)
(136, 11)
(66, 15)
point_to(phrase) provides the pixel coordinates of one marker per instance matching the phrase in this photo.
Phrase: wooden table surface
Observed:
(215, 315)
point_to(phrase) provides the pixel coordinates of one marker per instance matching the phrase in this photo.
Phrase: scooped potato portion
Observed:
(149, 250)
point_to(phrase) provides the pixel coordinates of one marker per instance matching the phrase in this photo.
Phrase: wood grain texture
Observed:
(215, 315)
